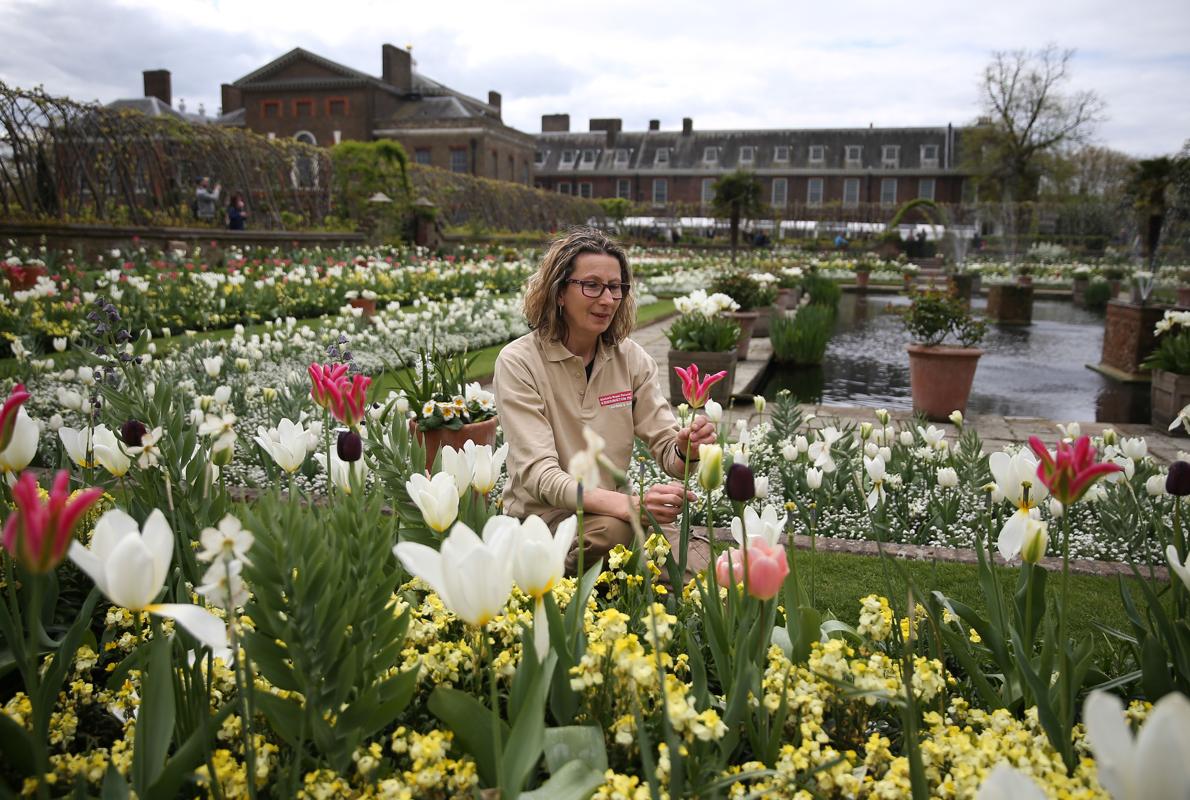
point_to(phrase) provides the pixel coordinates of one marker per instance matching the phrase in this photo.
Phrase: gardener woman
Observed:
(577, 369)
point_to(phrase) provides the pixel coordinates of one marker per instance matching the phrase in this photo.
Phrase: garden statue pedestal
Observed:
(1169, 394)
(708, 364)
(1010, 305)
(1128, 338)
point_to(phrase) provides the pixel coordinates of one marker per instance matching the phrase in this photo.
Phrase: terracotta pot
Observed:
(747, 322)
(1169, 394)
(479, 432)
(786, 298)
(1114, 283)
(940, 378)
(1024, 280)
(861, 279)
(708, 364)
(1184, 297)
(368, 305)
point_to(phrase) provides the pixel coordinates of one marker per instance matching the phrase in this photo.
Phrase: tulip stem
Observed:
(242, 686)
(582, 539)
(32, 676)
(684, 536)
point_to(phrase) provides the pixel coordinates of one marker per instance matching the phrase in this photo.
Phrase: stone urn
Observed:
(1169, 394)
(708, 364)
(434, 440)
(747, 322)
(940, 378)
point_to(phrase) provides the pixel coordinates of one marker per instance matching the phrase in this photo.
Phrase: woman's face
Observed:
(589, 317)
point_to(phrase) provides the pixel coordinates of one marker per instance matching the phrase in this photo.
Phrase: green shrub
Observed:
(802, 338)
(744, 289)
(933, 316)
(1096, 295)
(1172, 353)
(822, 291)
(699, 333)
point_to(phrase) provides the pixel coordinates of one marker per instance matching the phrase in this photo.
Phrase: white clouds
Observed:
(751, 64)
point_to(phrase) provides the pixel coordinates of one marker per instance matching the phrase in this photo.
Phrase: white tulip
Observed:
(540, 560)
(765, 525)
(70, 400)
(130, 565)
(871, 449)
(1015, 473)
(108, 452)
(1005, 782)
(60, 343)
(813, 478)
(714, 411)
(56, 422)
(1135, 447)
(222, 395)
(23, 445)
(947, 477)
(801, 443)
(1056, 508)
(886, 454)
(1180, 568)
(77, 443)
(459, 466)
(436, 498)
(875, 468)
(472, 576)
(956, 418)
(86, 376)
(907, 438)
(1015, 531)
(286, 444)
(342, 473)
(213, 366)
(1155, 485)
(1156, 763)
(762, 487)
(486, 465)
(789, 452)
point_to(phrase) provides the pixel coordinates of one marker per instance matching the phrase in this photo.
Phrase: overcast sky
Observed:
(744, 64)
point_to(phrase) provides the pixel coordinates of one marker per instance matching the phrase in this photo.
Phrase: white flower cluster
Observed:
(1172, 319)
(699, 302)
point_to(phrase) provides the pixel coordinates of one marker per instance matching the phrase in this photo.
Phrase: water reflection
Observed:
(1034, 370)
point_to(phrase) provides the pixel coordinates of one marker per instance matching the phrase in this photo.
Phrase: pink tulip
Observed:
(695, 391)
(8, 414)
(767, 568)
(1072, 471)
(38, 534)
(347, 399)
(323, 376)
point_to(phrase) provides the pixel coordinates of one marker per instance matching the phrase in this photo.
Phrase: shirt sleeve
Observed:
(652, 417)
(532, 455)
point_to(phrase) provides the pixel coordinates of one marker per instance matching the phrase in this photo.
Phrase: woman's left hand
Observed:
(700, 431)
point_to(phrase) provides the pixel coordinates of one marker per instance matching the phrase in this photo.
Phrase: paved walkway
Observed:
(996, 431)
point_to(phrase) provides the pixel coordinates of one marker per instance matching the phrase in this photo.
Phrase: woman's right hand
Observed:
(664, 501)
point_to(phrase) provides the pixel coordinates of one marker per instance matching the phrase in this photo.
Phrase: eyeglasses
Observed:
(595, 288)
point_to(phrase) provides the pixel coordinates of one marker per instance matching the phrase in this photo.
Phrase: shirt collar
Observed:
(556, 351)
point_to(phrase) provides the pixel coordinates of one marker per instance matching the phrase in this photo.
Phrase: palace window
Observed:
(781, 153)
(710, 155)
(270, 109)
(303, 109)
(621, 158)
(814, 192)
(564, 187)
(780, 192)
(925, 188)
(708, 191)
(624, 188)
(888, 191)
(817, 153)
(458, 159)
(584, 189)
(929, 155)
(588, 161)
(660, 191)
(336, 106)
(747, 154)
(422, 156)
(540, 157)
(855, 155)
(661, 159)
(850, 192)
(890, 156)
(567, 158)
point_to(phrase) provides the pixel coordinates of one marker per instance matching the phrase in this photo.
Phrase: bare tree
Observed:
(1028, 118)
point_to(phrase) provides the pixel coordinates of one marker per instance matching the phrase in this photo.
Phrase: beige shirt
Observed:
(545, 400)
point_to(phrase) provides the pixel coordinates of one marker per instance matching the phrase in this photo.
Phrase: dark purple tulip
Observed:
(350, 446)
(133, 432)
(1178, 480)
(740, 485)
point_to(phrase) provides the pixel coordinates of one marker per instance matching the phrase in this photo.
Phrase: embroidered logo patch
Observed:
(616, 399)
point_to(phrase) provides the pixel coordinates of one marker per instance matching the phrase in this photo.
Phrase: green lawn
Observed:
(841, 579)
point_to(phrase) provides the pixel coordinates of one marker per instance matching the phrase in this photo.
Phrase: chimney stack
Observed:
(555, 123)
(610, 125)
(687, 126)
(157, 85)
(654, 124)
(397, 67)
(494, 100)
(232, 97)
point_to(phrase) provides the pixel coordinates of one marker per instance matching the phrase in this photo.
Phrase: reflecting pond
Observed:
(1036, 370)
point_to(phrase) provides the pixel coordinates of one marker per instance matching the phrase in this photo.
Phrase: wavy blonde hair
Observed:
(541, 297)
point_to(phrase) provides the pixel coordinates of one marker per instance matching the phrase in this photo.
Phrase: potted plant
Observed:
(1115, 275)
(863, 272)
(749, 296)
(1081, 280)
(1024, 274)
(1170, 365)
(365, 301)
(768, 302)
(443, 408)
(941, 374)
(703, 334)
(789, 282)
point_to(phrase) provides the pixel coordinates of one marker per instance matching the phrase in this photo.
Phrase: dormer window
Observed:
(588, 159)
(710, 155)
(661, 158)
(621, 158)
(929, 155)
(747, 154)
(781, 153)
(817, 153)
(567, 158)
(890, 156)
(855, 155)
(541, 157)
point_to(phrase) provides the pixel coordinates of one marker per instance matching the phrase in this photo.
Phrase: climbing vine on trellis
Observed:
(79, 162)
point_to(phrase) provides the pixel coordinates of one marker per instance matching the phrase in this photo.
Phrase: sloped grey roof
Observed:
(155, 108)
(689, 151)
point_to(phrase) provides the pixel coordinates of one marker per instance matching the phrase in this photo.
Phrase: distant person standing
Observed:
(205, 199)
(237, 214)
(841, 242)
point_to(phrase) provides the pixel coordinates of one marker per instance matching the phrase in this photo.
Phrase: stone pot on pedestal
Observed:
(1169, 394)
(940, 378)
(861, 279)
(1128, 336)
(1010, 305)
(708, 364)
(747, 322)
